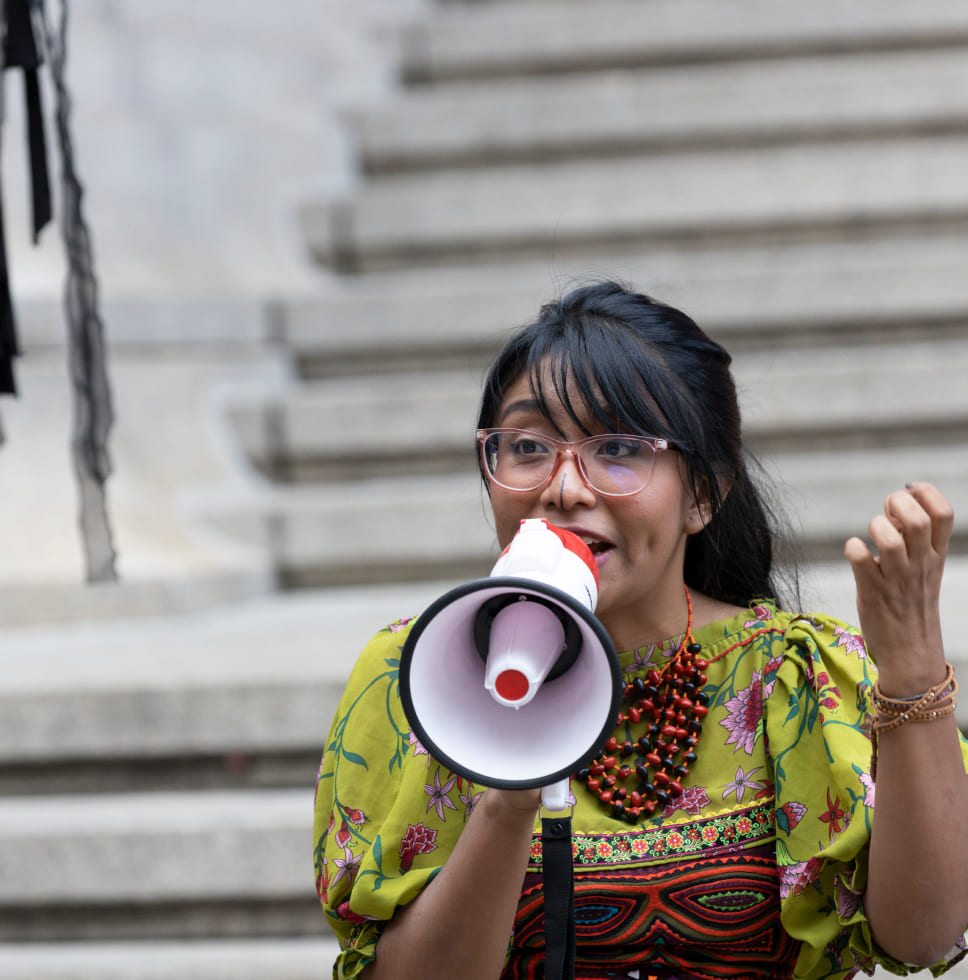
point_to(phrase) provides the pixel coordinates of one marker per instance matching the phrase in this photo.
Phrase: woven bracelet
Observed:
(890, 713)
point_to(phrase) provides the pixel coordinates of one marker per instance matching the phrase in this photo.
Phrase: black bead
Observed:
(631, 817)
(651, 692)
(693, 648)
(667, 764)
(695, 726)
(582, 775)
(642, 771)
(702, 698)
(645, 745)
(662, 797)
(654, 729)
(627, 749)
(648, 789)
(688, 687)
(690, 758)
(639, 686)
(681, 772)
(618, 810)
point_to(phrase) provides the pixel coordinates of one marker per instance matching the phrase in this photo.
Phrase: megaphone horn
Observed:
(510, 680)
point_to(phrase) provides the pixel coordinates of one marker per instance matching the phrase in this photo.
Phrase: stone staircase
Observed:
(792, 175)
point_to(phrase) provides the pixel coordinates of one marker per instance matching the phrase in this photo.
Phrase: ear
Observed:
(700, 511)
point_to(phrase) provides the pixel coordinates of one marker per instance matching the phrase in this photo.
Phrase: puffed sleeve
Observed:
(387, 815)
(818, 718)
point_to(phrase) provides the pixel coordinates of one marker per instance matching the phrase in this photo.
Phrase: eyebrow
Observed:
(522, 405)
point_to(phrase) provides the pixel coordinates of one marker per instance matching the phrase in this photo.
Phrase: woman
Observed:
(734, 838)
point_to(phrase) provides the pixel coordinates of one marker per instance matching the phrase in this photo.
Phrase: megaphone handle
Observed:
(555, 796)
(559, 898)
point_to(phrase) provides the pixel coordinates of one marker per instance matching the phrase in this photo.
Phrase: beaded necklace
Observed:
(668, 708)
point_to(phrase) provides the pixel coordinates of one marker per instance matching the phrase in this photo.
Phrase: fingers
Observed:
(916, 526)
(939, 511)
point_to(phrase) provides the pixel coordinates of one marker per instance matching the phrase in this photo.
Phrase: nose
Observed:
(567, 487)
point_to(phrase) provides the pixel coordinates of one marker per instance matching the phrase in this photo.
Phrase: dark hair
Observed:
(638, 365)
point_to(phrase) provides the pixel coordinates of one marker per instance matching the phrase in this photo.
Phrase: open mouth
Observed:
(597, 547)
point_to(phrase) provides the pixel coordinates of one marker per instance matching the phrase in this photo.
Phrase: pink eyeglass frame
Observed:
(656, 444)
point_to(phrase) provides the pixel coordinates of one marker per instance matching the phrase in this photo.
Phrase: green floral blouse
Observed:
(761, 861)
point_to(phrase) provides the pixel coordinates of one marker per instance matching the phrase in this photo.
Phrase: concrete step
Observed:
(158, 865)
(277, 959)
(809, 293)
(353, 428)
(362, 427)
(437, 527)
(501, 38)
(729, 197)
(601, 114)
(237, 683)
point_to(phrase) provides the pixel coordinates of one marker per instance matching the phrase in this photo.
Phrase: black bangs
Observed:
(598, 372)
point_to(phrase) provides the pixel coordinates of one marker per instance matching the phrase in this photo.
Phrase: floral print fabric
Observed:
(784, 762)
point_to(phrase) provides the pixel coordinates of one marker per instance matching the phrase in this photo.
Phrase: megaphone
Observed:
(510, 680)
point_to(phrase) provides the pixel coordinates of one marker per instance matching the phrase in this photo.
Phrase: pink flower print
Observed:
(438, 794)
(868, 784)
(789, 815)
(348, 865)
(743, 782)
(744, 716)
(850, 642)
(641, 659)
(343, 837)
(417, 840)
(344, 912)
(469, 798)
(761, 613)
(399, 624)
(692, 800)
(770, 671)
(418, 749)
(356, 817)
(848, 901)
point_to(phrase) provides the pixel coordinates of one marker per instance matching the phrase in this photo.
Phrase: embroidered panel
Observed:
(640, 845)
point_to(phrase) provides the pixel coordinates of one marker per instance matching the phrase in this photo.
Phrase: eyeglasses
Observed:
(614, 464)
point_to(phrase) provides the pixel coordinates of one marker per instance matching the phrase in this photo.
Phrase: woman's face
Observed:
(638, 540)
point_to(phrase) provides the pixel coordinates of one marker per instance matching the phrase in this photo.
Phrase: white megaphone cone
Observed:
(524, 639)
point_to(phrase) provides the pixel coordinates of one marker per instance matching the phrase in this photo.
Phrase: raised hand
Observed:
(899, 586)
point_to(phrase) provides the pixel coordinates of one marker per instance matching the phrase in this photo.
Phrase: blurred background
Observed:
(313, 223)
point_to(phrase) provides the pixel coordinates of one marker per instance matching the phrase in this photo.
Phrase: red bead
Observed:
(647, 705)
(612, 744)
(609, 762)
(597, 769)
(653, 677)
(668, 731)
(624, 772)
(662, 778)
(653, 760)
(648, 806)
(605, 796)
(635, 798)
(675, 788)
(634, 715)
(700, 711)
(593, 784)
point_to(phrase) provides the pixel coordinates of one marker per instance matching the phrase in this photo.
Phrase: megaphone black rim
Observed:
(524, 585)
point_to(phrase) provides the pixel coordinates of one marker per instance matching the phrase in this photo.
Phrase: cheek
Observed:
(508, 512)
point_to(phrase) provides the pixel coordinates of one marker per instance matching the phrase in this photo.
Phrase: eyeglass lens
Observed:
(612, 464)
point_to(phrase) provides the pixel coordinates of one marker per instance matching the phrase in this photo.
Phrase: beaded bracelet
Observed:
(890, 713)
